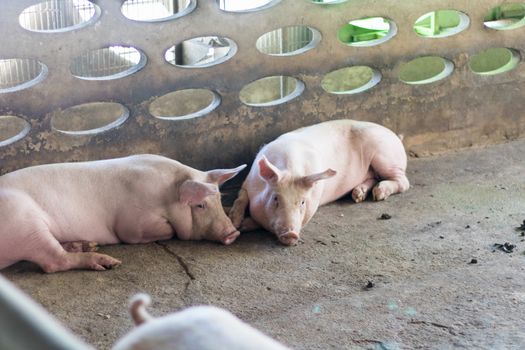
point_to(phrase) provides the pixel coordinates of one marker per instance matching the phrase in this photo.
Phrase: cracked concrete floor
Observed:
(426, 293)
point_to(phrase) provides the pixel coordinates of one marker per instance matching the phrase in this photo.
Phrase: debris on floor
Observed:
(505, 247)
(385, 216)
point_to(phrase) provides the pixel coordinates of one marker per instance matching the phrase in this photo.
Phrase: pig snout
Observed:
(229, 237)
(288, 237)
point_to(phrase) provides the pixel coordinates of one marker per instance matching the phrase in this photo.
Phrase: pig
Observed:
(312, 166)
(197, 327)
(56, 215)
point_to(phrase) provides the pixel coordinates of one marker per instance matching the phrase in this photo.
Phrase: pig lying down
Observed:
(303, 169)
(55, 215)
(198, 327)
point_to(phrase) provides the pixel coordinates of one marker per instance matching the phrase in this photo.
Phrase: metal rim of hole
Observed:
(215, 102)
(230, 54)
(316, 39)
(93, 19)
(117, 122)
(189, 9)
(299, 88)
(374, 80)
(448, 68)
(27, 84)
(20, 135)
(270, 3)
(131, 70)
(464, 22)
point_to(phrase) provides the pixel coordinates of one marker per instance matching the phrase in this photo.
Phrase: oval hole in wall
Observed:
(156, 10)
(506, 16)
(351, 80)
(271, 91)
(441, 23)
(425, 70)
(12, 129)
(494, 61)
(89, 118)
(59, 15)
(111, 62)
(287, 41)
(204, 51)
(367, 31)
(20, 73)
(184, 104)
(246, 6)
(327, 2)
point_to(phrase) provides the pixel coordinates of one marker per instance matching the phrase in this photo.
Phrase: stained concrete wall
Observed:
(460, 111)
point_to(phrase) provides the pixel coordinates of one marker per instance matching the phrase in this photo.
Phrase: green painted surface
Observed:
(493, 61)
(422, 68)
(367, 29)
(347, 79)
(437, 23)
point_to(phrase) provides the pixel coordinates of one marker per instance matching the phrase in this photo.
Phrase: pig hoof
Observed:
(289, 238)
(358, 195)
(101, 262)
(380, 193)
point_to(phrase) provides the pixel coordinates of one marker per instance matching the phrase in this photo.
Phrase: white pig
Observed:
(56, 214)
(303, 169)
(198, 327)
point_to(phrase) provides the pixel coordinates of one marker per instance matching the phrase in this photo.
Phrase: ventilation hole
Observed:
(184, 104)
(59, 15)
(494, 61)
(271, 91)
(328, 2)
(201, 52)
(351, 80)
(108, 63)
(367, 31)
(20, 73)
(288, 41)
(156, 10)
(246, 6)
(506, 16)
(89, 118)
(425, 70)
(12, 129)
(442, 23)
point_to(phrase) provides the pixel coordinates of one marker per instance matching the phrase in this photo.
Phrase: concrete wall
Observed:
(462, 110)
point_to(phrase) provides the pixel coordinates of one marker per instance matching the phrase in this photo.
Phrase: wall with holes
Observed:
(208, 82)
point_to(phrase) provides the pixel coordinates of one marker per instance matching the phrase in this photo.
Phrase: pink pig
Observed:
(55, 215)
(303, 169)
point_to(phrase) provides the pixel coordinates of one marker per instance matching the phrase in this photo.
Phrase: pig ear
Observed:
(268, 171)
(192, 192)
(310, 180)
(220, 176)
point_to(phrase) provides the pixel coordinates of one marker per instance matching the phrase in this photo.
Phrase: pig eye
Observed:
(200, 206)
(303, 202)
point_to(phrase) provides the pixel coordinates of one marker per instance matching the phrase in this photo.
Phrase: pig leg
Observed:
(238, 210)
(360, 192)
(393, 178)
(248, 224)
(52, 257)
(80, 246)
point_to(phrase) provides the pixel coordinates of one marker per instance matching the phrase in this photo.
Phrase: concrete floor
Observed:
(426, 293)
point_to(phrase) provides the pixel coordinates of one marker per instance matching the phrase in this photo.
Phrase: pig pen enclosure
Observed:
(209, 82)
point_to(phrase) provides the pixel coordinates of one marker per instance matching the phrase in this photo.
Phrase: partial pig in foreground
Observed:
(55, 215)
(198, 327)
(303, 169)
